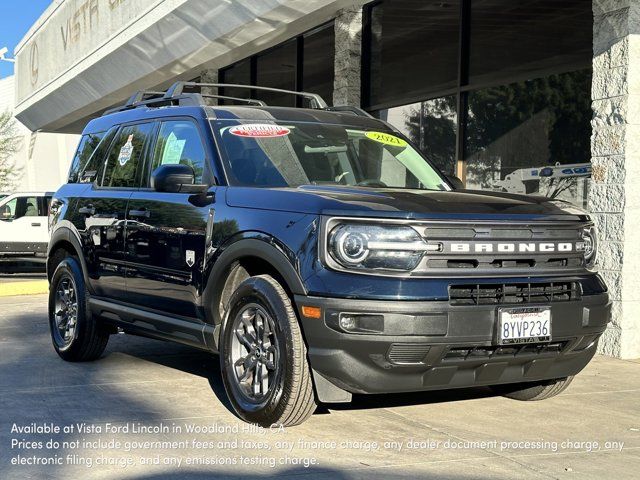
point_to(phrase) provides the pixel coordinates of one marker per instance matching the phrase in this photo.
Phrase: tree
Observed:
(10, 143)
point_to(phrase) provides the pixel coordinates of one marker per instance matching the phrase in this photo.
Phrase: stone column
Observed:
(348, 50)
(614, 197)
(210, 75)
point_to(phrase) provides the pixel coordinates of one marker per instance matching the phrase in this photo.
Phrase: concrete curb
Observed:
(30, 287)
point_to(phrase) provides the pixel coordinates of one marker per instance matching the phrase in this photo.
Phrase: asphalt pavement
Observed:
(151, 410)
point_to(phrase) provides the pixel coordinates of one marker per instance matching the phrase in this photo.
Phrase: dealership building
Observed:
(526, 96)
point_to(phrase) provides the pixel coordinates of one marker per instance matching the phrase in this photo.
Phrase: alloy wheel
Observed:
(66, 311)
(255, 353)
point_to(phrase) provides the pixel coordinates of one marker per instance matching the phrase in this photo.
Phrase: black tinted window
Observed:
(317, 64)
(239, 74)
(179, 142)
(414, 49)
(86, 147)
(510, 39)
(126, 154)
(277, 69)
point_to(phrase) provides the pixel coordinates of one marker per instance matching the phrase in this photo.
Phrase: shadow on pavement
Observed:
(311, 472)
(207, 366)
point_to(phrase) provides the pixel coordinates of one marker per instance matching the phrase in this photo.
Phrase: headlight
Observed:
(590, 245)
(391, 247)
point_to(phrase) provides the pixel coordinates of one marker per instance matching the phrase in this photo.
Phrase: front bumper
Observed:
(429, 345)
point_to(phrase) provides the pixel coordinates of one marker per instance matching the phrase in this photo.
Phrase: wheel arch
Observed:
(241, 259)
(64, 239)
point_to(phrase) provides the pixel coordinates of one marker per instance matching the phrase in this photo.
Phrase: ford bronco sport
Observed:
(318, 252)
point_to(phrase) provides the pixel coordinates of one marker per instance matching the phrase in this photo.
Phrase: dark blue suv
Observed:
(318, 252)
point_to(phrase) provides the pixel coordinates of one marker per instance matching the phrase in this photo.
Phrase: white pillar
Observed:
(614, 197)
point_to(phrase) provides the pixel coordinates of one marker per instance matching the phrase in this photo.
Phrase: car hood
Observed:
(403, 203)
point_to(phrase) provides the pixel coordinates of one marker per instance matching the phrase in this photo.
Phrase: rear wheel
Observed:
(263, 356)
(75, 334)
(533, 391)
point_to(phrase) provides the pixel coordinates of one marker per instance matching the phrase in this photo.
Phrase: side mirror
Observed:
(176, 178)
(455, 182)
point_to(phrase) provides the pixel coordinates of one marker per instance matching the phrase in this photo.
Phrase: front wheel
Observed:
(263, 356)
(533, 391)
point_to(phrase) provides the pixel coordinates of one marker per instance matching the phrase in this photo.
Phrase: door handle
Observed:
(88, 210)
(36, 224)
(144, 213)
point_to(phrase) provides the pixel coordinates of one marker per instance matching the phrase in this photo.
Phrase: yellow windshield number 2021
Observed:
(386, 139)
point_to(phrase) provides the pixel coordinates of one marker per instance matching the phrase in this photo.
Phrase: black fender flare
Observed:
(68, 234)
(260, 247)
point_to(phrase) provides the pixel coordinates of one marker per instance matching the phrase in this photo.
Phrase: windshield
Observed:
(290, 154)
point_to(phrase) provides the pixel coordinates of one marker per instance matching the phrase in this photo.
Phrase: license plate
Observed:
(524, 325)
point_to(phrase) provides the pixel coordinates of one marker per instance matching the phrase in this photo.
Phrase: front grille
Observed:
(482, 353)
(408, 353)
(502, 249)
(516, 293)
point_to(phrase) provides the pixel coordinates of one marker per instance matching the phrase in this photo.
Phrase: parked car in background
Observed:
(24, 230)
(3, 195)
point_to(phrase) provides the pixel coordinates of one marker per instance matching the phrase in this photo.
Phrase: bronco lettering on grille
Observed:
(531, 247)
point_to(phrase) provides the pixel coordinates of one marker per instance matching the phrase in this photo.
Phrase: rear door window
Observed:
(125, 158)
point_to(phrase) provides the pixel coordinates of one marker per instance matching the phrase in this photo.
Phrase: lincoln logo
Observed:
(512, 247)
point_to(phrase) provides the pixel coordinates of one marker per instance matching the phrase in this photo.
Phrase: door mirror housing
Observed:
(455, 182)
(176, 178)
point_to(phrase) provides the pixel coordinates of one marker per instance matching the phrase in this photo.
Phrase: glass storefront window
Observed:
(317, 64)
(283, 67)
(515, 130)
(516, 39)
(431, 125)
(277, 69)
(240, 73)
(413, 50)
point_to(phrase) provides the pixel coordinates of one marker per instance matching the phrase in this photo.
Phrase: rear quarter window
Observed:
(87, 146)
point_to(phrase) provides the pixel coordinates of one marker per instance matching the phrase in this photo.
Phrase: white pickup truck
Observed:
(24, 230)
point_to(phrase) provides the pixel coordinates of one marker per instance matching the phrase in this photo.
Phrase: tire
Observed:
(533, 391)
(75, 334)
(260, 307)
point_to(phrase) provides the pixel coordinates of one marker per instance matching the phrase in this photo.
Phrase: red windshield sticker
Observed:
(259, 130)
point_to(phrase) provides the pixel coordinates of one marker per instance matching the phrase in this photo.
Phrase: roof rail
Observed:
(177, 88)
(140, 95)
(235, 99)
(349, 109)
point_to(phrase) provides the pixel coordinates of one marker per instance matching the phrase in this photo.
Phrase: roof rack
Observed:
(177, 88)
(175, 94)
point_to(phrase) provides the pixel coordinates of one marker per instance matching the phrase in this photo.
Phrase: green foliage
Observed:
(10, 143)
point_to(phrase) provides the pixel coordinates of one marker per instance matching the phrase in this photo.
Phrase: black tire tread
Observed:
(301, 403)
(94, 339)
(534, 392)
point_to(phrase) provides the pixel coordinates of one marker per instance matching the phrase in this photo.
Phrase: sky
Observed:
(16, 17)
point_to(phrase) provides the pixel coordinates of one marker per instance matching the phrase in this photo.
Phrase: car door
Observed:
(24, 225)
(100, 213)
(166, 231)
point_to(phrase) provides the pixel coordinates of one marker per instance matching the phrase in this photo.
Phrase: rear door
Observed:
(166, 231)
(101, 208)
